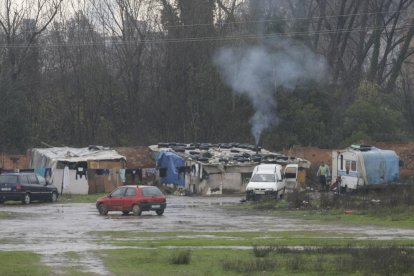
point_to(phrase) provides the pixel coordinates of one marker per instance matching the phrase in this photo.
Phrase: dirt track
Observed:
(55, 229)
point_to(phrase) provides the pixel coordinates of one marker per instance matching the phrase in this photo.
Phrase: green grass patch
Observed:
(18, 263)
(237, 239)
(402, 219)
(371, 260)
(4, 215)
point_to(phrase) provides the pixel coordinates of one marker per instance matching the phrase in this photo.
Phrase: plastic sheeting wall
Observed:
(78, 186)
(381, 166)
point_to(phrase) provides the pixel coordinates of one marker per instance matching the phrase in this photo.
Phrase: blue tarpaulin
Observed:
(169, 164)
(381, 166)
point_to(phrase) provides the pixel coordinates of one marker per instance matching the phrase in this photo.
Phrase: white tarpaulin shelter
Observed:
(50, 157)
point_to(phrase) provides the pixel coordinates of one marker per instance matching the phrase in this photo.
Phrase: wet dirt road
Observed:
(55, 229)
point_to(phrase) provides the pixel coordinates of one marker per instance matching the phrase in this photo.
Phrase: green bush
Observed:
(181, 257)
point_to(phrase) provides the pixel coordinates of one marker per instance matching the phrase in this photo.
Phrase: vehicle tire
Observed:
(160, 212)
(125, 212)
(136, 210)
(103, 209)
(283, 193)
(53, 197)
(27, 199)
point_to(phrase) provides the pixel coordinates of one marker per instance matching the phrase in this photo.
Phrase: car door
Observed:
(25, 185)
(115, 199)
(36, 189)
(131, 197)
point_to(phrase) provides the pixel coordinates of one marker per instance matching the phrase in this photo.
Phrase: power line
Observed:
(211, 38)
(408, 11)
(295, 18)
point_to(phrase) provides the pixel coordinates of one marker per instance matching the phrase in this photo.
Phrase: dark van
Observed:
(26, 187)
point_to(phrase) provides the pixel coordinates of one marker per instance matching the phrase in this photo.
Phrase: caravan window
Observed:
(350, 166)
(353, 166)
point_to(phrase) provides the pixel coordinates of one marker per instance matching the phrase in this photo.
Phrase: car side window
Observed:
(151, 191)
(42, 180)
(131, 192)
(23, 180)
(32, 179)
(118, 192)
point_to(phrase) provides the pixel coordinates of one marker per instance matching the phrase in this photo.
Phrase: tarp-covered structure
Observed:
(79, 160)
(381, 166)
(171, 168)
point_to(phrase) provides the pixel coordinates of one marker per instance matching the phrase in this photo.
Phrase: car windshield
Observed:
(151, 191)
(9, 179)
(263, 178)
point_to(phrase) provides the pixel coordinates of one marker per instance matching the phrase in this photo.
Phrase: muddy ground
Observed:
(55, 229)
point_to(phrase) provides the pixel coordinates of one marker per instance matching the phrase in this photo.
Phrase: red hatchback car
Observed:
(135, 199)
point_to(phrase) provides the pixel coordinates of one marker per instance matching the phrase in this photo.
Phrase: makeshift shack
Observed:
(89, 170)
(214, 168)
(140, 166)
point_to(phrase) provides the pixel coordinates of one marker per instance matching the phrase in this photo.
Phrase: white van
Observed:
(266, 180)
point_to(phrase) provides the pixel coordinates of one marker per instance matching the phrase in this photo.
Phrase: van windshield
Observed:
(263, 178)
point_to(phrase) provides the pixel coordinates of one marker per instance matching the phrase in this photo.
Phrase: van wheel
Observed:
(27, 199)
(283, 193)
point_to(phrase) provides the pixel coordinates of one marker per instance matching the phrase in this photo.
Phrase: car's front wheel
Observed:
(53, 197)
(27, 199)
(159, 212)
(103, 209)
(136, 210)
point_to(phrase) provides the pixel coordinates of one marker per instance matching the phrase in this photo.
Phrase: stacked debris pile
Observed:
(227, 154)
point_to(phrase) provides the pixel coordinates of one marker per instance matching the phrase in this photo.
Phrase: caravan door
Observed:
(347, 169)
(291, 177)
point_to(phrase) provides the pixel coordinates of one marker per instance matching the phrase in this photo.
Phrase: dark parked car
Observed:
(26, 187)
(135, 199)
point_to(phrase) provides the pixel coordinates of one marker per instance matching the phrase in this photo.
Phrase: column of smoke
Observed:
(258, 71)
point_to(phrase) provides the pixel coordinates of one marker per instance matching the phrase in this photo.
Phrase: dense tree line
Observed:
(321, 73)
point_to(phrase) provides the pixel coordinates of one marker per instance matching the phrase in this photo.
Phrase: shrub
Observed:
(181, 257)
(250, 266)
(262, 251)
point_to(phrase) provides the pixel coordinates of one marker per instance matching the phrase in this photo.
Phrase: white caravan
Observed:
(362, 165)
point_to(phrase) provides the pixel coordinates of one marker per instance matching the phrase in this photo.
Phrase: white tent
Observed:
(49, 158)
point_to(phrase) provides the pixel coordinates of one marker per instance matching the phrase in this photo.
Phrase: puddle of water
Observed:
(85, 262)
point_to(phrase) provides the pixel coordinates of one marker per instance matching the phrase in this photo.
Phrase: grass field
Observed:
(232, 253)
